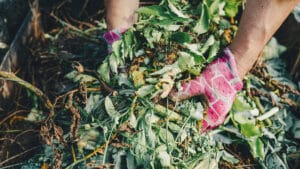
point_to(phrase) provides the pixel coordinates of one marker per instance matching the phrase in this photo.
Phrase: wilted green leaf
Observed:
(155, 10)
(257, 148)
(114, 63)
(228, 157)
(164, 112)
(91, 103)
(197, 111)
(213, 52)
(274, 161)
(181, 37)
(145, 90)
(185, 61)
(104, 71)
(110, 109)
(166, 136)
(207, 163)
(232, 7)
(176, 11)
(129, 43)
(250, 130)
(152, 36)
(202, 25)
(117, 49)
(209, 42)
(240, 104)
(79, 77)
(244, 117)
(174, 127)
(216, 9)
(140, 148)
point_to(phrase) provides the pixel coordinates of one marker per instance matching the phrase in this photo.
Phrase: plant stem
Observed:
(12, 77)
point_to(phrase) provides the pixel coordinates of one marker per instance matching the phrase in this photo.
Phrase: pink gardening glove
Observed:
(113, 36)
(219, 82)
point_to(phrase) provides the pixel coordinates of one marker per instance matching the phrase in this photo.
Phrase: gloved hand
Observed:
(113, 36)
(219, 82)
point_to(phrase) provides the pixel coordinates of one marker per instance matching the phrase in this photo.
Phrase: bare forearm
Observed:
(259, 22)
(121, 13)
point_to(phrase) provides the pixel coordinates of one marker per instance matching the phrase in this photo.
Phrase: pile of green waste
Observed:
(118, 114)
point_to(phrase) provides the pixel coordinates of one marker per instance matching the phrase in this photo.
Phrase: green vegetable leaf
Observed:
(181, 37)
(166, 136)
(202, 25)
(117, 48)
(257, 148)
(114, 63)
(207, 163)
(209, 42)
(128, 37)
(164, 158)
(228, 157)
(232, 7)
(250, 130)
(104, 71)
(213, 51)
(240, 104)
(185, 61)
(155, 10)
(244, 117)
(110, 109)
(145, 90)
(176, 11)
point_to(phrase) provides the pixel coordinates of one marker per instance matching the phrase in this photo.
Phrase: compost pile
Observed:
(113, 111)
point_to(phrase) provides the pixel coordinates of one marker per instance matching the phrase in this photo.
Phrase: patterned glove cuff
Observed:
(113, 35)
(229, 57)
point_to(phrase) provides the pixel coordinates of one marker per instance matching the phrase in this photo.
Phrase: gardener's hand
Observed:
(219, 82)
(120, 15)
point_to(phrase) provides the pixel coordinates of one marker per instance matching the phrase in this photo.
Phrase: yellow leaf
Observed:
(138, 78)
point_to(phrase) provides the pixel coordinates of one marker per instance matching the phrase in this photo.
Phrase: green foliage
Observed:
(138, 127)
(202, 25)
(232, 7)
